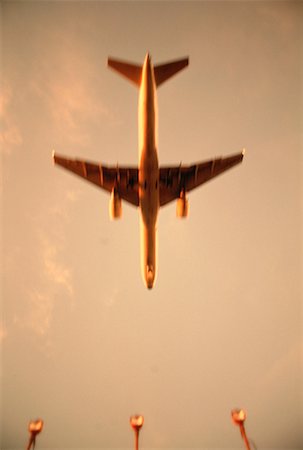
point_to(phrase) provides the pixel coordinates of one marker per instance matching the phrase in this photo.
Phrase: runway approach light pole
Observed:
(238, 417)
(34, 427)
(136, 424)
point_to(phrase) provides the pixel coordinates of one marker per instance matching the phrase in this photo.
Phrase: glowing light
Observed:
(238, 416)
(35, 426)
(136, 422)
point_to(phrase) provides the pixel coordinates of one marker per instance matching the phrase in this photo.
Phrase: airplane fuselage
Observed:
(148, 186)
(148, 172)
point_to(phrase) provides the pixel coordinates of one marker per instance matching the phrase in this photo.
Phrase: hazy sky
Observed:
(84, 343)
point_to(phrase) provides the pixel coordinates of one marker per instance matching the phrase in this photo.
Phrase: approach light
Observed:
(136, 423)
(34, 427)
(238, 417)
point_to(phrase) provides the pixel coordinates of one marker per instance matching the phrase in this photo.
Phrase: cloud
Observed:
(71, 96)
(39, 313)
(53, 279)
(41, 300)
(52, 241)
(55, 271)
(59, 211)
(10, 134)
(9, 137)
(3, 332)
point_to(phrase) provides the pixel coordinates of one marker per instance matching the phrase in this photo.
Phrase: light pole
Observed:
(34, 427)
(136, 424)
(238, 417)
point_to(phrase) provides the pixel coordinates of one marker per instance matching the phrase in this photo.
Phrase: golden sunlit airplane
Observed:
(148, 186)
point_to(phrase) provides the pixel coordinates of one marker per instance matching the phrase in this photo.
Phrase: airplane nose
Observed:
(150, 276)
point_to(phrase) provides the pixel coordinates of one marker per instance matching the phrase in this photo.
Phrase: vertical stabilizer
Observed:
(131, 71)
(164, 71)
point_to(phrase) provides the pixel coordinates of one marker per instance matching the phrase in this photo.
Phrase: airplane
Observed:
(148, 186)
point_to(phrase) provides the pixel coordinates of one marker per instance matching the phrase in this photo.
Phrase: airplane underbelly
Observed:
(149, 187)
(149, 207)
(148, 253)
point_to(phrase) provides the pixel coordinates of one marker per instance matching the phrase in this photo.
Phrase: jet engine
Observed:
(182, 206)
(115, 205)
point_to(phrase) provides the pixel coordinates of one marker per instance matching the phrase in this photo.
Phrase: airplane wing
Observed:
(174, 180)
(124, 179)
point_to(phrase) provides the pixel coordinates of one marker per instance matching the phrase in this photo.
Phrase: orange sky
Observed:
(84, 344)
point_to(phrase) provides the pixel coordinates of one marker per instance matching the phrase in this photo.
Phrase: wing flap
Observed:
(125, 179)
(175, 179)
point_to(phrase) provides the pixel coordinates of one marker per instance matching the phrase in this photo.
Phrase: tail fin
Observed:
(134, 72)
(164, 71)
(130, 71)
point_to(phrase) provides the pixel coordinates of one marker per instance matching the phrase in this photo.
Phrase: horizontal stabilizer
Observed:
(131, 71)
(164, 71)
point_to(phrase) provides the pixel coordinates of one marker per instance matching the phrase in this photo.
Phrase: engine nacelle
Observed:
(115, 205)
(182, 206)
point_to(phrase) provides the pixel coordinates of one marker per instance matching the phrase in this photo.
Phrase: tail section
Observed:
(134, 72)
(131, 71)
(164, 71)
